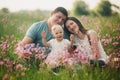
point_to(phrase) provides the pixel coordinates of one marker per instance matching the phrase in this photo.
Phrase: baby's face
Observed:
(58, 34)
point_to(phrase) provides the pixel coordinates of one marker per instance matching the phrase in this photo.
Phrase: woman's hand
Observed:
(77, 31)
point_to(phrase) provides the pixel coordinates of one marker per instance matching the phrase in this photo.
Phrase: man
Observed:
(57, 16)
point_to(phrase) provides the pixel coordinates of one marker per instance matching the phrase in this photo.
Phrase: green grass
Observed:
(10, 24)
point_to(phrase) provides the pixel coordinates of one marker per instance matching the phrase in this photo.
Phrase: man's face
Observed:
(58, 18)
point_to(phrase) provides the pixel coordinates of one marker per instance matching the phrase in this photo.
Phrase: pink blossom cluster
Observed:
(106, 41)
(4, 46)
(68, 59)
(115, 60)
(31, 50)
(78, 56)
(11, 65)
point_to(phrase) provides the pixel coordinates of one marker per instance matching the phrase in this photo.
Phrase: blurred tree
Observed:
(115, 8)
(80, 8)
(104, 8)
(5, 10)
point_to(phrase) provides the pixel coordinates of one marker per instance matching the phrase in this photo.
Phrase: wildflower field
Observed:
(12, 29)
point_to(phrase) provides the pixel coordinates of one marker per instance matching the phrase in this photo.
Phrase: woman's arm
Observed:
(94, 44)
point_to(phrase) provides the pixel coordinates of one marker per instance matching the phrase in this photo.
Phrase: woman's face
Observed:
(72, 26)
(58, 18)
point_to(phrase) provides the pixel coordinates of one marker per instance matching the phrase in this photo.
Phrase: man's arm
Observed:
(31, 34)
(26, 40)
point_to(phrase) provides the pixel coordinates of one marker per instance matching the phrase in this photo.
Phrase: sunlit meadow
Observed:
(31, 66)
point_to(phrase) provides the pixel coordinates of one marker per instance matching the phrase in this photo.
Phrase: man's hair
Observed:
(62, 10)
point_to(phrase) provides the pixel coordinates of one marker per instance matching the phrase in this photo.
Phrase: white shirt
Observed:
(53, 59)
(58, 46)
(84, 45)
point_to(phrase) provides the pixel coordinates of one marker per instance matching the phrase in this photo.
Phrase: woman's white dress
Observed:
(84, 45)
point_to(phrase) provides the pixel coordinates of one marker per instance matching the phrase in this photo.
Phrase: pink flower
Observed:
(40, 56)
(6, 77)
(4, 46)
(6, 60)
(19, 67)
(70, 61)
(1, 63)
(53, 60)
(106, 41)
(76, 57)
(115, 43)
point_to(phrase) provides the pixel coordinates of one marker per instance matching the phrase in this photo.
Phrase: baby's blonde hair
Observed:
(56, 27)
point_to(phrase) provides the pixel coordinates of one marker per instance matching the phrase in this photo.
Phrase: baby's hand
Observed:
(71, 37)
(43, 34)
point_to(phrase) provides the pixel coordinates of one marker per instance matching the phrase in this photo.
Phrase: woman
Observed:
(86, 40)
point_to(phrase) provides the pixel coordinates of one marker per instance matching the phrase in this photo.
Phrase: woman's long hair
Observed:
(81, 28)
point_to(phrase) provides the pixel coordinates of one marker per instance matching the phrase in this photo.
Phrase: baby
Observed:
(58, 44)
